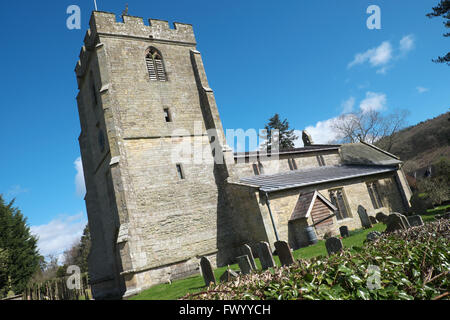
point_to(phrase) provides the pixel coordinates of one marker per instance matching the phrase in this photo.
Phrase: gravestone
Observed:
(333, 245)
(344, 232)
(284, 253)
(415, 221)
(405, 221)
(365, 221)
(228, 275)
(265, 256)
(207, 271)
(372, 236)
(373, 220)
(381, 217)
(244, 264)
(395, 222)
(247, 251)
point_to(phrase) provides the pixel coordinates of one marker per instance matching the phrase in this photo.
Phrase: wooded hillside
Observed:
(424, 144)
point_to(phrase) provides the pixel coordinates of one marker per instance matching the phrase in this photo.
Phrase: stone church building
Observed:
(153, 217)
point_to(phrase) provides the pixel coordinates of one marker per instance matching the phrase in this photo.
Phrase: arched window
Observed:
(155, 65)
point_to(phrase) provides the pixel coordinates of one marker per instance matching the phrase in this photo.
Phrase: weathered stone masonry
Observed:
(148, 225)
(153, 210)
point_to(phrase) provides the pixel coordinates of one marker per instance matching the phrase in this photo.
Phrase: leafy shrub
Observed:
(414, 264)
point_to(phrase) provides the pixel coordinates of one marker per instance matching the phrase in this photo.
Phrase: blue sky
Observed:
(307, 60)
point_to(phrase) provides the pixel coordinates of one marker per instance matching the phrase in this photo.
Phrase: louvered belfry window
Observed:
(155, 65)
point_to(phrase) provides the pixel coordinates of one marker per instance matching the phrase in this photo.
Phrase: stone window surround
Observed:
(155, 56)
(258, 168)
(344, 197)
(376, 196)
(292, 164)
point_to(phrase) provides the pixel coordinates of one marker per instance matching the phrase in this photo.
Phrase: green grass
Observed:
(429, 216)
(196, 283)
(440, 209)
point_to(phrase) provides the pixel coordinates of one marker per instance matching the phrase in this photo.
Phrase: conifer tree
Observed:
(442, 10)
(286, 136)
(18, 247)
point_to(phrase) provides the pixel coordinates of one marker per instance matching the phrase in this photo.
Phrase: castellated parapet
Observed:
(106, 24)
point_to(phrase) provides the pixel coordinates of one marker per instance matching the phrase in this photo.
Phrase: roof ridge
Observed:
(312, 148)
(381, 150)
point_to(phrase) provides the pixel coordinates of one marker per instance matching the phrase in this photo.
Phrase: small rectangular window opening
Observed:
(94, 95)
(180, 172)
(167, 115)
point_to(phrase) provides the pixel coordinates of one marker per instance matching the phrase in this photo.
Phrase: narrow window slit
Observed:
(167, 115)
(180, 172)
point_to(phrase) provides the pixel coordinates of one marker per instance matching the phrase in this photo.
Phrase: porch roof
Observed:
(305, 205)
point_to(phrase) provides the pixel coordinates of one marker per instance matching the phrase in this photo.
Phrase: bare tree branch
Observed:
(370, 126)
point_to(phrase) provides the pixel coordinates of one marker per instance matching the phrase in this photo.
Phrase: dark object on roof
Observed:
(305, 204)
(307, 139)
(313, 148)
(311, 176)
(367, 154)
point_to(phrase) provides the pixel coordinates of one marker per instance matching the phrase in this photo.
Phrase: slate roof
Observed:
(313, 148)
(305, 204)
(311, 176)
(367, 154)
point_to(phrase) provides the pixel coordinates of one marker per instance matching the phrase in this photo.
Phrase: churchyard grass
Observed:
(195, 284)
(429, 216)
(408, 264)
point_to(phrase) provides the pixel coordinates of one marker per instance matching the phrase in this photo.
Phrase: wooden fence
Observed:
(57, 290)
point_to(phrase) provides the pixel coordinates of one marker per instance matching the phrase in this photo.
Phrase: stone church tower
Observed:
(153, 210)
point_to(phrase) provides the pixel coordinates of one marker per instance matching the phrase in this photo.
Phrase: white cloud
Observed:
(407, 43)
(80, 186)
(422, 89)
(373, 101)
(378, 56)
(381, 56)
(59, 234)
(299, 142)
(347, 105)
(323, 132)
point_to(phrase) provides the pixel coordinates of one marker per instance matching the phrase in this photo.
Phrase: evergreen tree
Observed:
(4, 285)
(78, 254)
(442, 9)
(286, 137)
(22, 258)
(85, 247)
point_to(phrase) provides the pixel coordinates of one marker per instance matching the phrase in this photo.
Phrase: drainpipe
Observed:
(271, 216)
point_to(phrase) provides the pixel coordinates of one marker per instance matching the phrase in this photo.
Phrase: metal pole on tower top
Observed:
(95, 4)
